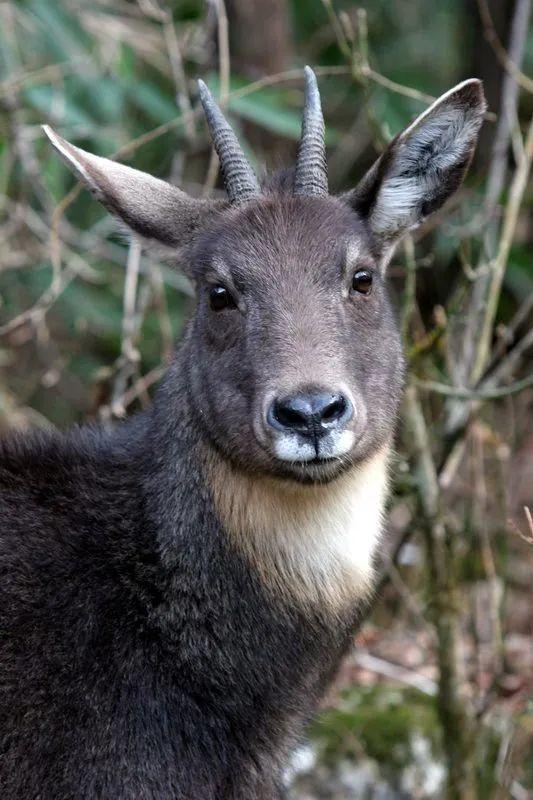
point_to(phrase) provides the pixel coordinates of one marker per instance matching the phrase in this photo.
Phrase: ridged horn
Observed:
(311, 177)
(239, 178)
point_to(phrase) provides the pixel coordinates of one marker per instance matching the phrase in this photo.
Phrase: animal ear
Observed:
(423, 166)
(149, 206)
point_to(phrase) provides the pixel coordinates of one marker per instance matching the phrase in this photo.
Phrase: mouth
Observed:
(308, 451)
(317, 460)
(316, 470)
(312, 473)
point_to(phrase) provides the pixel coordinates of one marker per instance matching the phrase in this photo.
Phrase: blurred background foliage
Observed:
(117, 77)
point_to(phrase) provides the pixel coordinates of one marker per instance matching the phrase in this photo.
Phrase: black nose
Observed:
(311, 414)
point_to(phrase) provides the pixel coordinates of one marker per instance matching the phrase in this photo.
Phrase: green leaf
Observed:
(153, 101)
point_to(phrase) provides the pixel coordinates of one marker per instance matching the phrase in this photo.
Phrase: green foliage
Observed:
(382, 722)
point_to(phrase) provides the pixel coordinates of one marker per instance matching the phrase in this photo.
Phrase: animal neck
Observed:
(313, 544)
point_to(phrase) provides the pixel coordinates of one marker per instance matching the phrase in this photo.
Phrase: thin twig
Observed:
(508, 114)
(395, 672)
(498, 266)
(409, 292)
(141, 385)
(40, 308)
(398, 88)
(454, 715)
(43, 75)
(503, 371)
(495, 184)
(506, 334)
(178, 72)
(160, 302)
(338, 29)
(495, 594)
(473, 394)
(494, 40)
(420, 441)
(164, 17)
(129, 355)
(224, 82)
(529, 518)
(526, 537)
(509, 364)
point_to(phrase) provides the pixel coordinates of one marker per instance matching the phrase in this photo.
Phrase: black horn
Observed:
(311, 176)
(239, 178)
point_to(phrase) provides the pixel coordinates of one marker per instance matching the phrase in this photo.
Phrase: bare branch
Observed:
(473, 394)
(224, 82)
(498, 266)
(395, 672)
(129, 357)
(51, 72)
(493, 39)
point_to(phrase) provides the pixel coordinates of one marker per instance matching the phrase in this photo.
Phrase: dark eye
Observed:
(362, 281)
(220, 298)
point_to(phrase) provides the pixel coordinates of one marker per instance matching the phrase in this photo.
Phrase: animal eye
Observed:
(220, 298)
(362, 281)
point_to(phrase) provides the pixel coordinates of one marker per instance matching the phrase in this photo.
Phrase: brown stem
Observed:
(453, 713)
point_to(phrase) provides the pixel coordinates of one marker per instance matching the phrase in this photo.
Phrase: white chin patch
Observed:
(289, 447)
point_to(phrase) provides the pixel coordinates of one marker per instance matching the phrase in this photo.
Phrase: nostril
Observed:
(288, 416)
(334, 409)
(311, 414)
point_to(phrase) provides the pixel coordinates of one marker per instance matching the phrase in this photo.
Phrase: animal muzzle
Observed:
(310, 425)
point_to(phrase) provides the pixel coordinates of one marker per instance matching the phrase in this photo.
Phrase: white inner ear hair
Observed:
(427, 151)
(312, 544)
